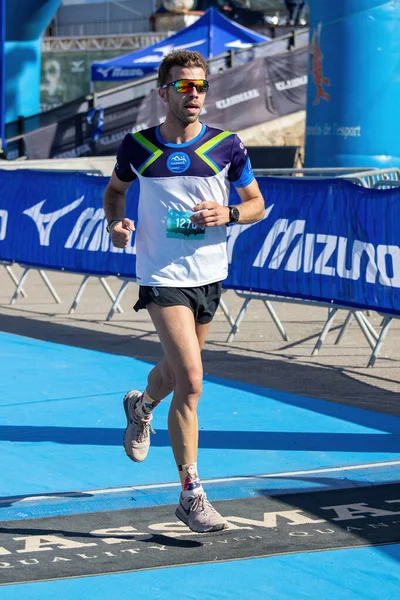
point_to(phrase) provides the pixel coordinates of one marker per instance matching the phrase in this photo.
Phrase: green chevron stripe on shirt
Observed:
(202, 150)
(155, 152)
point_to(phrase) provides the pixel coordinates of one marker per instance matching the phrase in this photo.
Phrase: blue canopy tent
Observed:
(210, 35)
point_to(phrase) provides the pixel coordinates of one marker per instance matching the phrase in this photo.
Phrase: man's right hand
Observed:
(121, 232)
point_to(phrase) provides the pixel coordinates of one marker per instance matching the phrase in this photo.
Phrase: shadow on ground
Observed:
(322, 382)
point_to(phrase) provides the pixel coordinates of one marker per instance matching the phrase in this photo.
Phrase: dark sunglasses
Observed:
(184, 86)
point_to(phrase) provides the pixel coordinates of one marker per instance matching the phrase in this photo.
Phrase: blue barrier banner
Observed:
(331, 241)
(56, 221)
(324, 240)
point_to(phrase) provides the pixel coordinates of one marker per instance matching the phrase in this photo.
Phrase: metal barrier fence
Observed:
(364, 176)
(122, 42)
(373, 178)
(385, 184)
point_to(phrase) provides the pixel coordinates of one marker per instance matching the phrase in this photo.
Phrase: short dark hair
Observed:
(180, 58)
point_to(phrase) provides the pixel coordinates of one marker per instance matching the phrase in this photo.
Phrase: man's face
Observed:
(185, 107)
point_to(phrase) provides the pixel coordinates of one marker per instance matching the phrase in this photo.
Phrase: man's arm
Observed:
(114, 198)
(251, 209)
(114, 204)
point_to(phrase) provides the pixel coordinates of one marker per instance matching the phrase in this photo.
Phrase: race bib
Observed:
(180, 226)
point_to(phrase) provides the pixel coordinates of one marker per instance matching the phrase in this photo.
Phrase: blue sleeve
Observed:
(240, 172)
(124, 157)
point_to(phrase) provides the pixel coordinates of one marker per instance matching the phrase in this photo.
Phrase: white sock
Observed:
(191, 485)
(145, 406)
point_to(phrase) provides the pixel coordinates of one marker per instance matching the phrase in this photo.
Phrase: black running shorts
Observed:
(202, 300)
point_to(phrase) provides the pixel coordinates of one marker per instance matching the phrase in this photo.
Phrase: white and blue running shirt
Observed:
(173, 178)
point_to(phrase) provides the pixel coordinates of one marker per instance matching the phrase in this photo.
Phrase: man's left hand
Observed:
(210, 214)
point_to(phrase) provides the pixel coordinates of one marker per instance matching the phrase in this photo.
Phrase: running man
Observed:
(184, 169)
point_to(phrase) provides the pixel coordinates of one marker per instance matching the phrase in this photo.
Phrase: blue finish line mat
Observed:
(148, 538)
(62, 424)
(73, 505)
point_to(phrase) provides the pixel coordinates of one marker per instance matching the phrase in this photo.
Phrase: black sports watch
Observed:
(234, 214)
(111, 225)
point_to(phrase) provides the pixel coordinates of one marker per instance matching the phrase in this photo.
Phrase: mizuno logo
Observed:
(77, 66)
(289, 246)
(103, 71)
(45, 222)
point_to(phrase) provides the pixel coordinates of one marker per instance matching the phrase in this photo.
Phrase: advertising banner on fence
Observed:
(60, 224)
(242, 97)
(331, 241)
(287, 74)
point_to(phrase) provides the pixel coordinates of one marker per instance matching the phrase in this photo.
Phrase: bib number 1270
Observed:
(180, 226)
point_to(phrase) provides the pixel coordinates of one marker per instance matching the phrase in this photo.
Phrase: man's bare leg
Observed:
(182, 340)
(176, 328)
(160, 383)
(139, 407)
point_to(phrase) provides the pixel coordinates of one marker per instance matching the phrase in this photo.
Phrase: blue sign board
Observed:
(353, 84)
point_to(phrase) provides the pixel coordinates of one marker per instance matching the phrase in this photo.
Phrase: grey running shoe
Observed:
(137, 432)
(199, 514)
